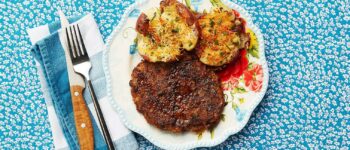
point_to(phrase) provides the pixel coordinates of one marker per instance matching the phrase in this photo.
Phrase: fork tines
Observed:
(76, 44)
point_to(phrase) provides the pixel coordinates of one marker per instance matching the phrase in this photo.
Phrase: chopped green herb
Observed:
(222, 117)
(254, 52)
(232, 94)
(219, 4)
(227, 47)
(176, 30)
(250, 66)
(216, 42)
(241, 100)
(188, 4)
(205, 11)
(154, 15)
(212, 23)
(221, 53)
(234, 105)
(212, 133)
(152, 39)
(241, 79)
(226, 98)
(239, 90)
(233, 27)
(200, 135)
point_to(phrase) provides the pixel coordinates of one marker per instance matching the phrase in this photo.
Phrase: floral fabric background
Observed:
(307, 43)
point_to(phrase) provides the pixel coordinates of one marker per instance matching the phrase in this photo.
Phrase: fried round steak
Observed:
(179, 96)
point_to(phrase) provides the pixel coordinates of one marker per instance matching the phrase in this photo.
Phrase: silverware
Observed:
(82, 119)
(82, 65)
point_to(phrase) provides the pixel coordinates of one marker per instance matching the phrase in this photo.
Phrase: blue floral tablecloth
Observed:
(307, 104)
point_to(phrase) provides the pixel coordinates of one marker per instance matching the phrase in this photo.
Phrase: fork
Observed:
(81, 65)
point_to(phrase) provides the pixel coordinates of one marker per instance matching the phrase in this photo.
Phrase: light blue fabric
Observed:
(50, 54)
(307, 48)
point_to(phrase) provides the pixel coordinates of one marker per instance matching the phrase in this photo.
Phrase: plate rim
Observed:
(213, 142)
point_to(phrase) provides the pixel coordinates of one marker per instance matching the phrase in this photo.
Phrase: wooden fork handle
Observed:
(82, 119)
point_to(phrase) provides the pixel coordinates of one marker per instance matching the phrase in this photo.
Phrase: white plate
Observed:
(119, 61)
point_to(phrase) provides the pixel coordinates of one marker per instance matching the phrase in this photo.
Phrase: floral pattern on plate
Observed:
(245, 86)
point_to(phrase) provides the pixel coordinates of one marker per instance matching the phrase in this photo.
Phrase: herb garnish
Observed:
(216, 42)
(176, 30)
(212, 23)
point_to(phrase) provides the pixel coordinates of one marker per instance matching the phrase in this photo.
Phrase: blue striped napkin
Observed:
(53, 76)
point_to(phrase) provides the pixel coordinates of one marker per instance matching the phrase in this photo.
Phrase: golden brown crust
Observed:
(222, 36)
(163, 34)
(177, 97)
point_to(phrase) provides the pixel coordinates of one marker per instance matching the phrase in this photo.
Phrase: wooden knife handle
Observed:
(82, 119)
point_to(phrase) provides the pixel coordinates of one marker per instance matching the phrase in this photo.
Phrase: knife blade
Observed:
(82, 117)
(74, 78)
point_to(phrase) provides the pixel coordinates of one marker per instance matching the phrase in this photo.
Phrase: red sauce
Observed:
(236, 13)
(236, 68)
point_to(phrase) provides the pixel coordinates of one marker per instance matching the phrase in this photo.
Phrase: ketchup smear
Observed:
(235, 68)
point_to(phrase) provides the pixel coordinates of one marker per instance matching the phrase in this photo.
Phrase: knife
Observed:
(82, 118)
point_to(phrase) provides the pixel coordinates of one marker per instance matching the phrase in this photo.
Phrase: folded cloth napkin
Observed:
(52, 70)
